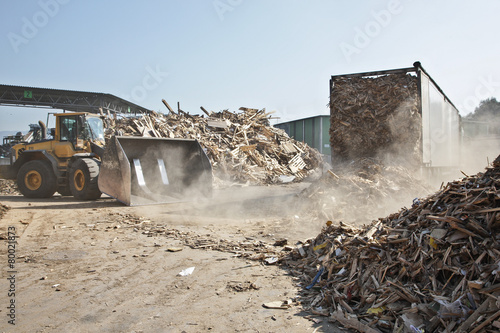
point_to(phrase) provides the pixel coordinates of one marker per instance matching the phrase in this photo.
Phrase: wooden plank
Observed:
(168, 106)
(204, 110)
(489, 210)
(486, 322)
(352, 322)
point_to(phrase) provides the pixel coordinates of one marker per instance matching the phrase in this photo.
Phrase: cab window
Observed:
(69, 128)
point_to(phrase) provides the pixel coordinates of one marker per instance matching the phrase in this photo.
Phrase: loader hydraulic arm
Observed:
(96, 149)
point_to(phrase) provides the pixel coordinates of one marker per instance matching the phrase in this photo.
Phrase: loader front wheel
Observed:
(36, 179)
(83, 176)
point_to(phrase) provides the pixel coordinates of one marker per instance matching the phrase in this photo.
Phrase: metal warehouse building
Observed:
(312, 130)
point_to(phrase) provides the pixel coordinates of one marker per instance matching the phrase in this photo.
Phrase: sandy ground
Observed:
(93, 267)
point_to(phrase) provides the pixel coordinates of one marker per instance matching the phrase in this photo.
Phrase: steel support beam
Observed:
(70, 100)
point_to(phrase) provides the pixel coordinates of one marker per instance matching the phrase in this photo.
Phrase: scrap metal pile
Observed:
(432, 268)
(242, 147)
(5, 150)
(9, 141)
(373, 114)
(362, 190)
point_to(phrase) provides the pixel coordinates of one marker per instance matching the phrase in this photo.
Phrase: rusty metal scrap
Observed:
(434, 267)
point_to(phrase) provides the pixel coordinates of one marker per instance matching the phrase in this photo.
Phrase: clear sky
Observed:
(223, 54)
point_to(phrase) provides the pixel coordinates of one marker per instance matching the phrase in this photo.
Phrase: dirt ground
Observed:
(101, 267)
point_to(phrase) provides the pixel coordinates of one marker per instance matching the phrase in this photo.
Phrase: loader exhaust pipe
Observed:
(141, 171)
(43, 129)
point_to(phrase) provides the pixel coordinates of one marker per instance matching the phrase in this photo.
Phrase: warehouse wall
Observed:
(314, 131)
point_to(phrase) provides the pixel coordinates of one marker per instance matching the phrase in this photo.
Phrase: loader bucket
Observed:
(142, 171)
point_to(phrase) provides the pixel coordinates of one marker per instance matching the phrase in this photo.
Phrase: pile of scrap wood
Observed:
(370, 115)
(432, 268)
(362, 191)
(242, 146)
(8, 187)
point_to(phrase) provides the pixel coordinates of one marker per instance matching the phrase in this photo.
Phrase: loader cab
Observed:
(68, 128)
(79, 128)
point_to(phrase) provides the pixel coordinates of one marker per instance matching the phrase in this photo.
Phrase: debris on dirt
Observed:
(251, 249)
(374, 114)
(187, 271)
(242, 146)
(174, 249)
(8, 187)
(281, 242)
(362, 190)
(280, 304)
(255, 250)
(271, 260)
(434, 267)
(242, 286)
(3, 210)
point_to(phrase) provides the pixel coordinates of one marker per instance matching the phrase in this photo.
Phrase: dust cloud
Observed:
(366, 188)
(264, 212)
(193, 200)
(355, 191)
(376, 184)
(393, 178)
(478, 152)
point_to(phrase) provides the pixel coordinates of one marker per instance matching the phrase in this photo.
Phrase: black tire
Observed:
(83, 175)
(36, 179)
(65, 191)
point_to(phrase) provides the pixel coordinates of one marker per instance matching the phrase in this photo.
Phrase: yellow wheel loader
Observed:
(134, 170)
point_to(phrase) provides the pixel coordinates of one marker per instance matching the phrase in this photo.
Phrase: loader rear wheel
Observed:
(36, 179)
(83, 176)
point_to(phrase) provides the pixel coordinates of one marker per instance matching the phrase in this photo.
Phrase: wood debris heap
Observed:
(370, 115)
(8, 187)
(432, 268)
(242, 146)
